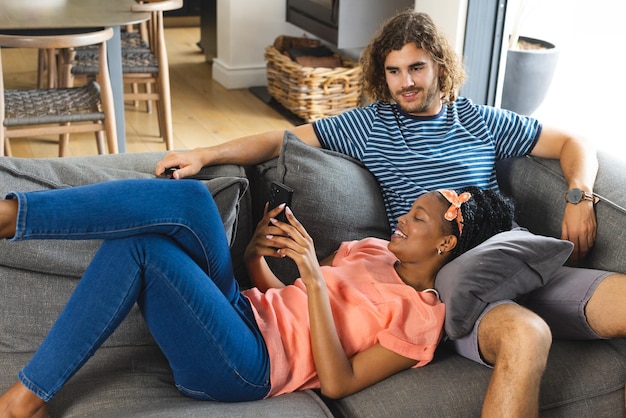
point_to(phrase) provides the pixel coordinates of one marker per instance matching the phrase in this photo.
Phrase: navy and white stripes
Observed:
(410, 155)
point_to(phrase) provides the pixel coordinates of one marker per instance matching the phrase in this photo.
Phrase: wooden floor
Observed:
(204, 112)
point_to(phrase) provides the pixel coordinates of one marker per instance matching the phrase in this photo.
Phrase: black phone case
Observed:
(279, 193)
(168, 173)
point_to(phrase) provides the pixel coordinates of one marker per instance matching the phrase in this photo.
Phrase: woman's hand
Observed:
(292, 240)
(273, 238)
(261, 245)
(189, 163)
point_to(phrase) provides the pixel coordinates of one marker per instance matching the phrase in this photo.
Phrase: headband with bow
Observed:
(454, 211)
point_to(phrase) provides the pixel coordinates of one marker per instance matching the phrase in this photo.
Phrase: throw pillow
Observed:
(70, 258)
(505, 266)
(335, 197)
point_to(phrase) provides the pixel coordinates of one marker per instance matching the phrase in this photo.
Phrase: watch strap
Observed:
(590, 196)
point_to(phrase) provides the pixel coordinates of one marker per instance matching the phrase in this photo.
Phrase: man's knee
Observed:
(606, 310)
(511, 333)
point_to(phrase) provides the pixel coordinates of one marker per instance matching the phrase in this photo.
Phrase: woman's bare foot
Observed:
(8, 217)
(18, 402)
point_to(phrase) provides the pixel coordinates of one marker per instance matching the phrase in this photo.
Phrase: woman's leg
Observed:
(213, 345)
(184, 210)
(122, 209)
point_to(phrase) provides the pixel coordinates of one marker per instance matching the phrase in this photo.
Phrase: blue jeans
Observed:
(165, 248)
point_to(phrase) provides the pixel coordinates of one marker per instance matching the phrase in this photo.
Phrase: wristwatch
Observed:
(575, 196)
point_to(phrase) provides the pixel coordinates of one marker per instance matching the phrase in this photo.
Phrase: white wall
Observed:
(246, 27)
(450, 16)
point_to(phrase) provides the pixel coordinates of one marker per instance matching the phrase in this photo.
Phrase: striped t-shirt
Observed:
(411, 155)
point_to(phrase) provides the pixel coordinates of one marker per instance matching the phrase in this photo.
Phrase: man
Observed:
(418, 136)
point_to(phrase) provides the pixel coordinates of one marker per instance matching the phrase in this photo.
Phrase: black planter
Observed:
(527, 76)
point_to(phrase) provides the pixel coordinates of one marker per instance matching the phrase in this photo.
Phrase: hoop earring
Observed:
(439, 251)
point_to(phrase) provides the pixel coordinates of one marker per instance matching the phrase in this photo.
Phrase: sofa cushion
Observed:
(137, 382)
(335, 197)
(30, 302)
(507, 265)
(70, 258)
(582, 379)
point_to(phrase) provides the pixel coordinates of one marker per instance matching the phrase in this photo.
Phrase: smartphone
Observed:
(279, 193)
(168, 173)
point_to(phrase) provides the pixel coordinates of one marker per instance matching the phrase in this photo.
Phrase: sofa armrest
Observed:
(538, 188)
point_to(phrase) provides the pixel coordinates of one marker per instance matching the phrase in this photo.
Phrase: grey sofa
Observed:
(337, 200)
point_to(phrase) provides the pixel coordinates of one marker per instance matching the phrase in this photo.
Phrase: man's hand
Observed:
(579, 226)
(189, 163)
(580, 166)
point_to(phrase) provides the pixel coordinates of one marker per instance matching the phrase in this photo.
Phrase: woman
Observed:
(172, 258)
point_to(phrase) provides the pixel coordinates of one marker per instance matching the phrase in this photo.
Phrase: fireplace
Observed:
(343, 23)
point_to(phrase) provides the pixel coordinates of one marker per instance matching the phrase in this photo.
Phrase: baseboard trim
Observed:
(238, 77)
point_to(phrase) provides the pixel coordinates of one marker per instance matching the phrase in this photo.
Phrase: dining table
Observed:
(33, 15)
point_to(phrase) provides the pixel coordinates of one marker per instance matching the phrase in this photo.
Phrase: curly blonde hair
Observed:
(404, 28)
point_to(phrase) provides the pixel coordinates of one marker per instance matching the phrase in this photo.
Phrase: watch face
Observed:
(575, 196)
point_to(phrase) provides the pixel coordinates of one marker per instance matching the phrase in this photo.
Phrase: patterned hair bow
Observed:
(454, 211)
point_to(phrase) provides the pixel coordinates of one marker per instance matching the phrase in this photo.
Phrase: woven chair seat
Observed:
(134, 61)
(46, 106)
(133, 40)
(130, 41)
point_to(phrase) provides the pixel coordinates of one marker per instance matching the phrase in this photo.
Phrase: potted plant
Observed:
(530, 65)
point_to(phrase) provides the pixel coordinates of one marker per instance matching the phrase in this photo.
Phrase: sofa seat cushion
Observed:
(582, 379)
(31, 301)
(335, 197)
(137, 382)
(70, 258)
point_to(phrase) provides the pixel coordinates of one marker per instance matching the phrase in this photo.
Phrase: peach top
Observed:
(370, 304)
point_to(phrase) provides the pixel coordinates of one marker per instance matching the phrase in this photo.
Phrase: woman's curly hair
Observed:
(404, 28)
(485, 214)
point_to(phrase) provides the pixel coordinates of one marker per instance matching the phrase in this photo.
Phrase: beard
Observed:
(424, 105)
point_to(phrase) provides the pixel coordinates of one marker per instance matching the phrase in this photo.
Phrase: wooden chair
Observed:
(136, 36)
(59, 111)
(47, 68)
(146, 66)
(132, 36)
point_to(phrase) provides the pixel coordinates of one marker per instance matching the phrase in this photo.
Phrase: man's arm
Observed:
(580, 166)
(247, 150)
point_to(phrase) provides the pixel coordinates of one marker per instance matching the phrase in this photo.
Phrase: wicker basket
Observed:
(311, 93)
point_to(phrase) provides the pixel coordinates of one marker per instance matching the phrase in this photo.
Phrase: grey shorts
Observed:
(561, 303)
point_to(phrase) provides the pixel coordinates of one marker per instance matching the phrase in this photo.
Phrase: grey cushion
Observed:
(335, 197)
(70, 258)
(582, 379)
(507, 265)
(31, 301)
(137, 382)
